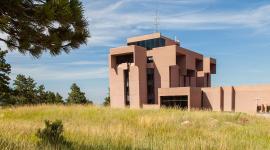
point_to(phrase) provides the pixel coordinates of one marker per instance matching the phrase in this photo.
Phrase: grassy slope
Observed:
(104, 128)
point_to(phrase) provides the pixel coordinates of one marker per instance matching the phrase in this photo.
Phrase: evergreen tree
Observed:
(36, 26)
(107, 99)
(58, 98)
(25, 89)
(4, 79)
(41, 94)
(76, 96)
(50, 97)
(53, 98)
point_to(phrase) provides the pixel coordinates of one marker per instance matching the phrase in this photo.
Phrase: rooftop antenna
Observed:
(156, 19)
(176, 39)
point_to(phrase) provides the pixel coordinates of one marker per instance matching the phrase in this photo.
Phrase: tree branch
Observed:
(7, 42)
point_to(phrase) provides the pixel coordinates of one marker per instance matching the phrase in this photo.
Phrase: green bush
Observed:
(52, 133)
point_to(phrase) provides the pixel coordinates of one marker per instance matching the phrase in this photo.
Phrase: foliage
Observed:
(26, 91)
(41, 94)
(107, 100)
(53, 98)
(89, 127)
(36, 26)
(4, 79)
(58, 98)
(76, 96)
(52, 133)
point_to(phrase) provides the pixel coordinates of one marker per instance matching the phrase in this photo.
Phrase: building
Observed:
(153, 71)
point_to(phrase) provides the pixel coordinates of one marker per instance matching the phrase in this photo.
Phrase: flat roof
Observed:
(149, 37)
(144, 37)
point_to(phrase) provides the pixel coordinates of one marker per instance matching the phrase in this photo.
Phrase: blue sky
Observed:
(236, 33)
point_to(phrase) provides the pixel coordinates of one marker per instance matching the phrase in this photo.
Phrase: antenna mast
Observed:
(156, 19)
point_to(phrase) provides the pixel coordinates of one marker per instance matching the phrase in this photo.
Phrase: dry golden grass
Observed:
(88, 127)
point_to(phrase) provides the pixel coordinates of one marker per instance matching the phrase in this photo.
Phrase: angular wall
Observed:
(229, 98)
(237, 98)
(212, 98)
(248, 97)
(137, 77)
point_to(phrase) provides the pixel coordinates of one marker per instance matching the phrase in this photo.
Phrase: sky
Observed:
(236, 33)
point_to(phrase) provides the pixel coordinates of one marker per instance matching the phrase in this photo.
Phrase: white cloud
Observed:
(120, 19)
(85, 62)
(42, 72)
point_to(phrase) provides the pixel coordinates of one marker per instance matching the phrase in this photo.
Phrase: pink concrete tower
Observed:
(153, 71)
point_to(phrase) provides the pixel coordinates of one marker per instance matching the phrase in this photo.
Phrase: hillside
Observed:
(88, 127)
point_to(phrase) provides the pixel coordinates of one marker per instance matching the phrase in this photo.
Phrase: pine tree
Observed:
(50, 97)
(36, 26)
(76, 96)
(4, 79)
(58, 98)
(53, 98)
(41, 94)
(25, 89)
(107, 99)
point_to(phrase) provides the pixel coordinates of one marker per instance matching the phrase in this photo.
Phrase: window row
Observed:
(150, 44)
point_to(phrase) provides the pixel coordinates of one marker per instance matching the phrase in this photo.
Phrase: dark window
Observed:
(190, 73)
(141, 43)
(126, 85)
(133, 43)
(150, 59)
(162, 42)
(157, 43)
(213, 68)
(175, 101)
(150, 44)
(150, 86)
(128, 58)
(207, 80)
(199, 65)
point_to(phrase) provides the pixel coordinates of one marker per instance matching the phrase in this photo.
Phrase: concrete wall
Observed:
(212, 98)
(137, 77)
(163, 65)
(195, 98)
(162, 71)
(117, 90)
(236, 98)
(141, 80)
(247, 97)
(174, 76)
(229, 98)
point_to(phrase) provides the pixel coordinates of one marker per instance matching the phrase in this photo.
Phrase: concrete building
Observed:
(153, 71)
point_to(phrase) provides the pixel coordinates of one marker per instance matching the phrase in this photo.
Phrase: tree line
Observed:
(26, 91)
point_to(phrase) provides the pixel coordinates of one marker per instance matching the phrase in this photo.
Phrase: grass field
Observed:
(88, 127)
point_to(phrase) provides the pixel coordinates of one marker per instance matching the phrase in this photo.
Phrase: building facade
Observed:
(154, 71)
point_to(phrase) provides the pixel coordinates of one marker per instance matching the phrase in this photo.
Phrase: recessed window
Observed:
(175, 101)
(150, 86)
(150, 59)
(199, 65)
(150, 44)
(128, 58)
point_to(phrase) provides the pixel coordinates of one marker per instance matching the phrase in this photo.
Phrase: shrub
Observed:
(52, 133)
